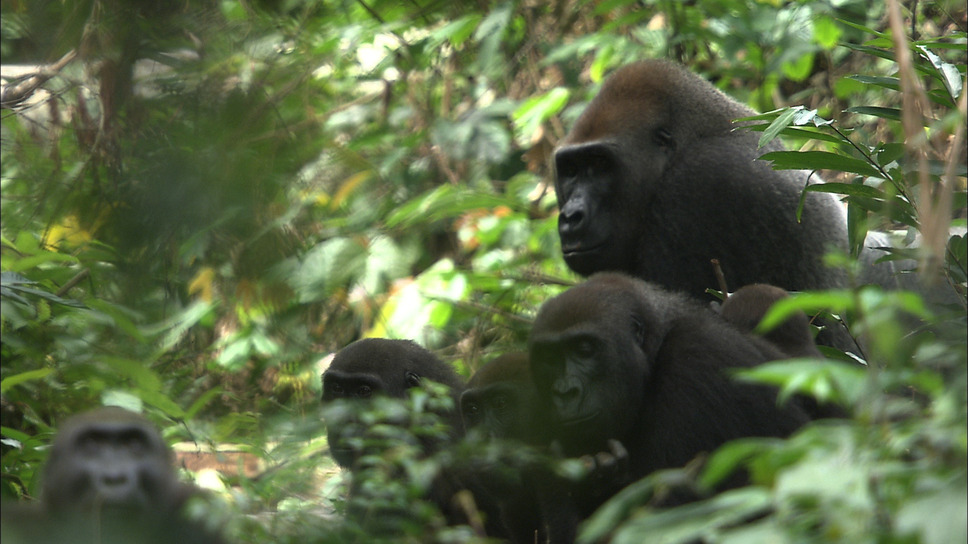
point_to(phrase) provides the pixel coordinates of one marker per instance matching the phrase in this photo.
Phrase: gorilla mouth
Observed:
(578, 420)
(570, 249)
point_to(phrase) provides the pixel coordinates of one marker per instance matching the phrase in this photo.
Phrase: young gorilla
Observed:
(375, 367)
(499, 399)
(616, 358)
(521, 491)
(649, 181)
(109, 479)
(499, 404)
(746, 308)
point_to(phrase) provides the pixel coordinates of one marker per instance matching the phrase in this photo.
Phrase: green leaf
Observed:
(163, 403)
(938, 517)
(118, 316)
(43, 257)
(778, 125)
(328, 266)
(536, 110)
(805, 116)
(17, 379)
(875, 51)
(122, 399)
(730, 457)
(143, 377)
(826, 380)
(891, 114)
(819, 160)
(179, 325)
(891, 83)
(617, 509)
(457, 32)
(692, 521)
(851, 189)
(826, 33)
(799, 69)
(203, 400)
(862, 28)
(443, 202)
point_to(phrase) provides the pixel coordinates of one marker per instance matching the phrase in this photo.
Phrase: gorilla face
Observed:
(364, 371)
(603, 189)
(109, 458)
(499, 400)
(589, 364)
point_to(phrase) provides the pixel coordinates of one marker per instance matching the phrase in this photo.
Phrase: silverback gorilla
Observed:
(655, 180)
(616, 358)
(109, 479)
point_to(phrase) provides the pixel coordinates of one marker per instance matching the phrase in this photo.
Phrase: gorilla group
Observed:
(622, 374)
(629, 371)
(656, 180)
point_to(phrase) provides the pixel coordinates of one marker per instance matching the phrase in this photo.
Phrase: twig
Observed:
(78, 278)
(12, 95)
(720, 278)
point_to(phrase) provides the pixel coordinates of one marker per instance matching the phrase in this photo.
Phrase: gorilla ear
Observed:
(638, 330)
(663, 138)
(413, 380)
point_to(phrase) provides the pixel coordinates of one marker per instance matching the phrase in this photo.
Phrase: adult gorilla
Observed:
(109, 479)
(655, 180)
(616, 358)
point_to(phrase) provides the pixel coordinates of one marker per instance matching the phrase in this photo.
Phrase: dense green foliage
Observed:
(209, 197)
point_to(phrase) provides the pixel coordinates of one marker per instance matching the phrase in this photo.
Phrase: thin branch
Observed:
(12, 95)
(934, 214)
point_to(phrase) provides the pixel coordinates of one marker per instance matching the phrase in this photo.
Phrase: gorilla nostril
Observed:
(114, 480)
(567, 390)
(574, 218)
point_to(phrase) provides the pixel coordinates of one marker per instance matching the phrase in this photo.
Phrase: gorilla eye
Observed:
(472, 408)
(364, 391)
(413, 380)
(134, 442)
(664, 138)
(88, 444)
(638, 329)
(598, 164)
(337, 388)
(585, 347)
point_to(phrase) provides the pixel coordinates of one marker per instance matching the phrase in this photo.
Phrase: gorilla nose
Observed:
(566, 395)
(571, 220)
(115, 484)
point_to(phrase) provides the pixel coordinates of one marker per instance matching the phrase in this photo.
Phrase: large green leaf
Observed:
(819, 160)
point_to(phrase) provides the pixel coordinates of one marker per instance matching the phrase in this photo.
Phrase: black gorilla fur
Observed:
(618, 358)
(655, 180)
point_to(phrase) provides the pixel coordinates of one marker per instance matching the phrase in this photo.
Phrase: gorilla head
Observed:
(109, 458)
(654, 180)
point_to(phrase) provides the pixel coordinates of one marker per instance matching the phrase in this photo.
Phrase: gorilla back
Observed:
(654, 180)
